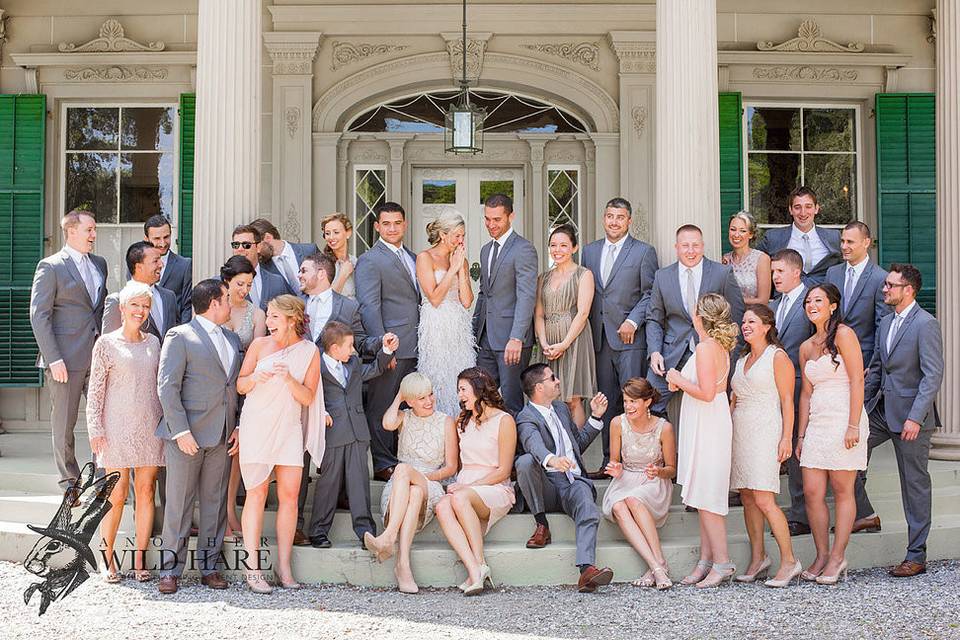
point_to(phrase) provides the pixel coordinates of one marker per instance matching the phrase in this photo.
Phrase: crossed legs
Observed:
(408, 497)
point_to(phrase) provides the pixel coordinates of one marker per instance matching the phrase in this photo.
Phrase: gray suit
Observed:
(300, 250)
(65, 324)
(553, 491)
(198, 396)
(271, 286)
(866, 308)
(793, 331)
(347, 311)
(389, 302)
(345, 456)
(626, 296)
(779, 238)
(669, 325)
(177, 276)
(902, 385)
(504, 311)
(171, 311)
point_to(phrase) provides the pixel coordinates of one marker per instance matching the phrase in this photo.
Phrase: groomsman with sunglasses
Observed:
(266, 285)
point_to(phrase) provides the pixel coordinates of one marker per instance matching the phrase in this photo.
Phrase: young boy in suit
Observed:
(348, 438)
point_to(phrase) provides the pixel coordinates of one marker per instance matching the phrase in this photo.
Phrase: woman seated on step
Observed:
(482, 493)
(429, 454)
(643, 459)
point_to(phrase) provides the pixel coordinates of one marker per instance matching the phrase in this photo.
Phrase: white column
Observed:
(227, 165)
(395, 181)
(946, 442)
(607, 170)
(537, 191)
(687, 136)
(292, 55)
(325, 146)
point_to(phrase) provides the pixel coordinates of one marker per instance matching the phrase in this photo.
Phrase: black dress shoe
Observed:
(383, 475)
(320, 542)
(798, 528)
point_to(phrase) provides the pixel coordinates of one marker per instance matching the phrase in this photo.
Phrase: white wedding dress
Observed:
(446, 345)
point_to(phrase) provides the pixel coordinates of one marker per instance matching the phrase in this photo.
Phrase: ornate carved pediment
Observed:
(636, 50)
(805, 73)
(116, 73)
(112, 39)
(346, 53)
(292, 53)
(583, 53)
(476, 47)
(810, 39)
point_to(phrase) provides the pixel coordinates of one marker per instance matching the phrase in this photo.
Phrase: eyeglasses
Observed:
(245, 245)
(893, 285)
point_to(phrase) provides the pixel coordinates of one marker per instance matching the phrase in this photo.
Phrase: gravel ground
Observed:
(869, 605)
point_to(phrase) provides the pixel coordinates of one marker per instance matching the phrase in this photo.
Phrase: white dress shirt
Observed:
(286, 263)
(319, 308)
(501, 241)
(787, 301)
(697, 280)
(818, 250)
(163, 261)
(337, 368)
(553, 423)
(607, 259)
(219, 341)
(897, 323)
(156, 308)
(405, 259)
(79, 259)
(857, 272)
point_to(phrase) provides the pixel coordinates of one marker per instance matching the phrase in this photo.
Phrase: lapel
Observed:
(574, 452)
(336, 306)
(861, 283)
(507, 246)
(903, 327)
(168, 272)
(795, 308)
(673, 275)
(205, 339)
(826, 240)
(544, 429)
(75, 274)
(396, 260)
(628, 246)
(326, 373)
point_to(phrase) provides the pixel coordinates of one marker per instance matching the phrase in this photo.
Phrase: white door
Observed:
(440, 189)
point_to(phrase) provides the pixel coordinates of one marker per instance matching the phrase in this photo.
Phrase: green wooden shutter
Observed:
(188, 110)
(731, 160)
(907, 185)
(22, 130)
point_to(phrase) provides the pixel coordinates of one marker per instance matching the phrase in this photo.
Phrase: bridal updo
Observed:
(714, 312)
(444, 223)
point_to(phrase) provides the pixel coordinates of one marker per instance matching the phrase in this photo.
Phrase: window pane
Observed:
(92, 128)
(828, 130)
(91, 184)
(772, 176)
(370, 191)
(834, 178)
(773, 129)
(439, 192)
(147, 128)
(563, 205)
(492, 187)
(146, 186)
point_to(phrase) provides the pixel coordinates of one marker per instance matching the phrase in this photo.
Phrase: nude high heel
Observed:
(759, 574)
(693, 578)
(726, 571)
(794, 575)
(834, 579)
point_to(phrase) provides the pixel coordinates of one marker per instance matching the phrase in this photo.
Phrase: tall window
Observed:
(563, 196)
(369, 190)
(816, 146)
(120, 162)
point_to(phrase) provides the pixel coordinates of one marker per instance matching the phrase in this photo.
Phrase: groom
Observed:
(197, 383)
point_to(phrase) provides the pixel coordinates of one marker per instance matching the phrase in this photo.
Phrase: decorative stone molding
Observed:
(369, 155)
(810, 39)
(805, 73)
(346, 53)
(639, 116)
(292, 53)
(476, 47)
(3, 41)
(568, 157)
(640, 225)
(292, 226)
(292, 118)
(112, 39)
(583, 53)
(932, 18)
(636, 50)
(115, 74)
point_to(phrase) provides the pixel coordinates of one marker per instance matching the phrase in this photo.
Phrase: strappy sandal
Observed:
(646, 580)
(693, 578)
(112, 577)
(142, 575)
(664, 583)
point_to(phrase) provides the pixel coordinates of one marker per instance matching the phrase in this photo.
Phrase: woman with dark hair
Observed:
(832, 429)
(482, 493)
(561, 322)
(762, 409)
(643, 459)
(248, 321)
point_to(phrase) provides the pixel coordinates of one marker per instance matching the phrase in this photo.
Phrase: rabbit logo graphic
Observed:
(63, 552)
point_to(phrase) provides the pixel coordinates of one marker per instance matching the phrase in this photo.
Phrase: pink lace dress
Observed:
(122, 401)
(479, 455)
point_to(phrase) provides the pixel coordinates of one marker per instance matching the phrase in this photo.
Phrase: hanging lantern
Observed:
(463, 124)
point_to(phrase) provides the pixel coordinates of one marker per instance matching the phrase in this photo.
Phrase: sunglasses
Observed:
(552, 378)
(245, 245)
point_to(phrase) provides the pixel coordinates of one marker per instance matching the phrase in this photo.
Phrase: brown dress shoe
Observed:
(300, 539)
(214, 581)
(540, 538)
(593, 578)
(598, 475)
(908, 569)
(383, 475)
(866, 525)
(167, 585)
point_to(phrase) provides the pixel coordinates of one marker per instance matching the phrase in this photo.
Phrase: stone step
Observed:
(435, 564)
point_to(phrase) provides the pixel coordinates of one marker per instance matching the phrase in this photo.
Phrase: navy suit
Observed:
(779, 238)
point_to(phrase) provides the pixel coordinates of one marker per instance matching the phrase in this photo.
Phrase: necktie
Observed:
(807, 260)
(291, 270)
(691, 294)
(608, 265)
(493, 258)
(894, 327)
(221, 345)
(561, 448)
(406, 265)
(87, 275)
(848, 289)
(342, 374)
(155, 310)
(782, 311)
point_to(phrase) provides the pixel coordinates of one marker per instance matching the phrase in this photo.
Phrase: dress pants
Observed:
(65, 398)
(202, 476)
(380, 394)
(507, 377)
(545, 492)
(915, 487)
(614, 368)
(342, 465)
(797, 512)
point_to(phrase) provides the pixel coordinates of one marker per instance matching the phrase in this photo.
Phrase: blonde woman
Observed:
(429, 454)
(751, 267)
(706, 435)
(280, 377)
(337, 230)
(445, 335)
(122, 413)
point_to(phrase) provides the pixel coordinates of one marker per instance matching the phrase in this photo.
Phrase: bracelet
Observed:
(853, 426)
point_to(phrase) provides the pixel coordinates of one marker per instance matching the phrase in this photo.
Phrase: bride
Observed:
(446, 341)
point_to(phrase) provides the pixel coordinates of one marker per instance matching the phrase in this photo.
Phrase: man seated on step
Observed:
(551, 473)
